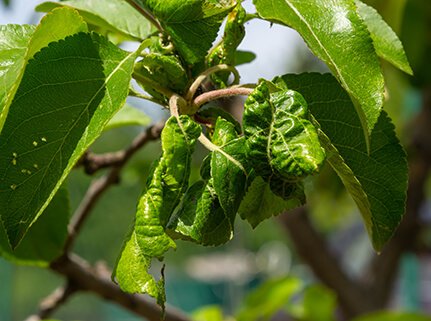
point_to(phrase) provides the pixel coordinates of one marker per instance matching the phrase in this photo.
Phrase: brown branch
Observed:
(99, 186)
(312, 248)
(383, 269)
(86, 278)
(52, 302)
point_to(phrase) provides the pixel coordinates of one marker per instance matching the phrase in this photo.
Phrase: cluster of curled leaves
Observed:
(66, 80)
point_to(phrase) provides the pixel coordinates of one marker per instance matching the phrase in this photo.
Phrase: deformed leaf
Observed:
(261, 203)
(68, 93)
(201, 218)
(128, 116)
(192, 24)
(112, 15)
(225, 51)
(165, 70)
(337, 35)
(385, 40)
(376, 180)
(168, 182)
(281, 139)
(45, 240)
(207, 212)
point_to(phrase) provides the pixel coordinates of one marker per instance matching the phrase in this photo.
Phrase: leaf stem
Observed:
(198, 81)
(220, 93)
(214, 148)
(134, 93)
(146, 14)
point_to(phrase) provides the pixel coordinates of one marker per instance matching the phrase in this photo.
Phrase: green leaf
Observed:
(281, 139)
(13, 47)
(74, 87)
(244, 57)
(337, 35)
(192, 24)
(53, 27)
(385, 40)
(376, 180)
(112, 15)
(46, 238)
(394, 316)
(128, 116)
(319, 304)
(261, 203)
(268, 299)
(208, 313)
(167, 185)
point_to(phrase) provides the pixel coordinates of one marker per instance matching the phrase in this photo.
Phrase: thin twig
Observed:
(53, 301)
(99, 186)
(198, 81)
(98, 281)
(146, 14)
(134, 93)
(220, 93)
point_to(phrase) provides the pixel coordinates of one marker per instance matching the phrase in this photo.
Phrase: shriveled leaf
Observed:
(131, 271)
(261, 203)
(385, 40)
(112, 15)
(337, 35)
(377, 181)
(68, 93)
(211, 114)
(165, 70)
(128, 116)
(192, 24)
(53, 27)
(269, 298)
(201, 218)
(166, 186)
(281, 139)
(225, 51)
(229, 166)
(46, 238)
(207, 212)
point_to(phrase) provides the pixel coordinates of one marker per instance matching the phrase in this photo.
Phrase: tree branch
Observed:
(86, 278)
(117, 161)
(312, 248)
(52, 302)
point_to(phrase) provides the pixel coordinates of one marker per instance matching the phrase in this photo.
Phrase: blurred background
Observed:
(223, 276)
